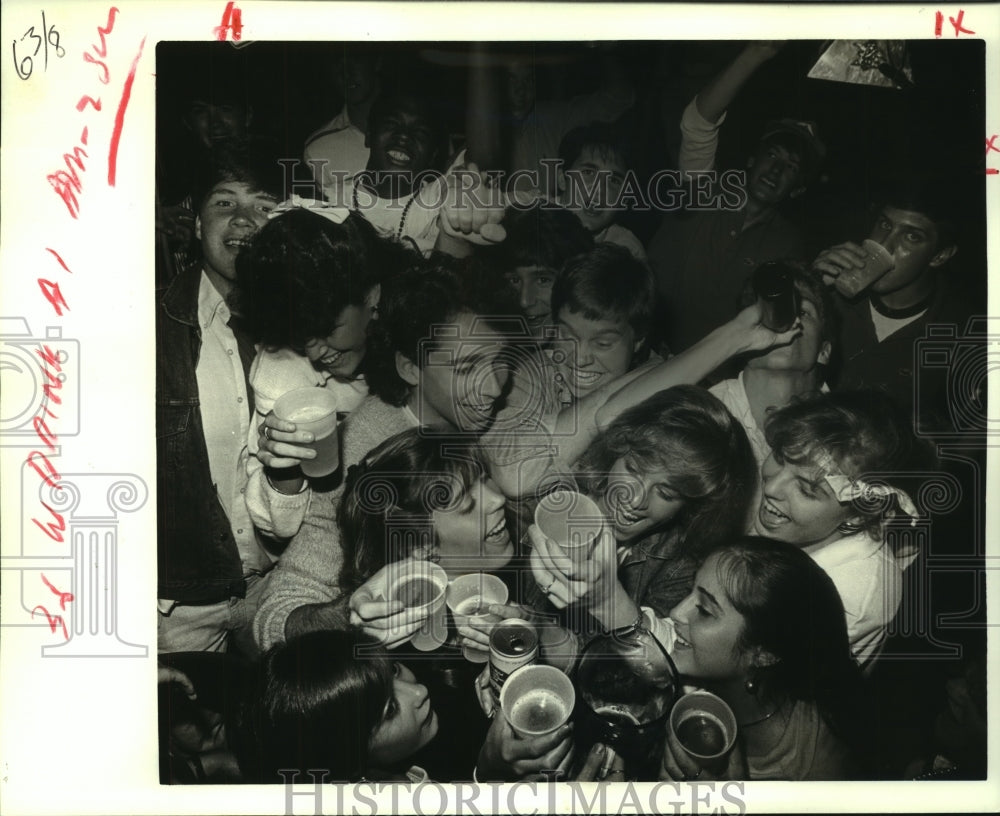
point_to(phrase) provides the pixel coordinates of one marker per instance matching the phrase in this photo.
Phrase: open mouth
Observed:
(237, 243)
(626, 518)
(679, 641)
(497, 530)
(771, 516)
(584, 379)
(331, 359)
(398, 156)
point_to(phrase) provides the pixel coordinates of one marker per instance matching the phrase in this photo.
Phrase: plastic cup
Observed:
(536, 700)
(466, 595)
(878, 261)
(704, 725)
(422, 585)
(314, 410)
(572, 521)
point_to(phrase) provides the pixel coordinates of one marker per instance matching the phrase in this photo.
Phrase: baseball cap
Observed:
(802, 131)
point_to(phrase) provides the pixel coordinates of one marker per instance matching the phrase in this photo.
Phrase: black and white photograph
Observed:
(521, 409)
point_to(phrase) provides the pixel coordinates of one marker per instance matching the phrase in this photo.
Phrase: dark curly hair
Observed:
(316, 702)
(689, 433)
(423, 296)
(542, 235)
(302, 270)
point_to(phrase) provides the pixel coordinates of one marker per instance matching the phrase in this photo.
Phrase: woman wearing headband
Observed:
(836, 475)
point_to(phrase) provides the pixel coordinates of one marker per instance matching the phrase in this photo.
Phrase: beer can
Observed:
(513, 644)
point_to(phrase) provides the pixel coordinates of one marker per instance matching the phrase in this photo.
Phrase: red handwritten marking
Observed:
(991, 171)
(51, 476)
(103, 50)
(62, 263)
(88, 100)
(989, 143)
(53, 620)
(938, 23)
(53, 529)
(64, 597)
(958, 24)
(68, 184)
(232, 19)
(116, 134)
(105, 77)
(53, 294)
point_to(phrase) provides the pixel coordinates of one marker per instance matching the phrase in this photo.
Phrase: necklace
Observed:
(762, 719)
(402, 218)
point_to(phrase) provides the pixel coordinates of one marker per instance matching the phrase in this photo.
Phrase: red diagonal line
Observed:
(62, 263)
(116, 134)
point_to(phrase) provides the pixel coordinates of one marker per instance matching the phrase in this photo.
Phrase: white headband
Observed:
(848, 490)
(329, 211)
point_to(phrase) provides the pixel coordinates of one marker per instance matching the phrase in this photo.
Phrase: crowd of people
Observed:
(510, 289)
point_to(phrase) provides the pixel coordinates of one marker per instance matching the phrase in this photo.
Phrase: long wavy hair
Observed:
(794, 612)
(690, 434)
(385, 513)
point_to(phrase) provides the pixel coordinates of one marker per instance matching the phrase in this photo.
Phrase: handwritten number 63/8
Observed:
(49, 36)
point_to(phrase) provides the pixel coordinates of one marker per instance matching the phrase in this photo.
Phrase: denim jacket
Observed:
(197, 557)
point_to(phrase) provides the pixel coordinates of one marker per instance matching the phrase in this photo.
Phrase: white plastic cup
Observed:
(314, 410)
(573, 521)
(467, 595)
(537, 699)
(704, 725)
(422, 585)
(878, 261)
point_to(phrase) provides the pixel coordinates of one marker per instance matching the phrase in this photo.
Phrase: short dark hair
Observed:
(318, 699)
(607, 283)
(302, 270)
(939, 199)
(385, 103)
(407, 478)
(604, 138)
(539, 235)
(429, 293)
(249, 161)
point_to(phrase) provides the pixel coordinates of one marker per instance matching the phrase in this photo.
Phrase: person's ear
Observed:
(373, 297)
(407, 369)
(560, 178)
(944, 255)
(197, 227)
(637, 345)
(823, 358)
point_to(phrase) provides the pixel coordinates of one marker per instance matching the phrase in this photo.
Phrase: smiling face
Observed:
(709, 628)
(603, 351)
(913, 240)
(409, 722)
(402, 141)
(459, 380)
(775, 174)
(473, 536)
(230, 215)
(593, 186)
(638, 499)
(534, 290)
(213, 123)
(797, 504)
(342, 351)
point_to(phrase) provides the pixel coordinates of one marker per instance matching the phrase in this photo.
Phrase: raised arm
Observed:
(715, 98)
